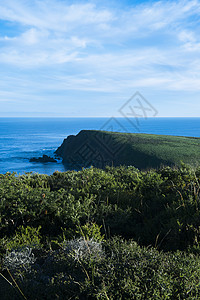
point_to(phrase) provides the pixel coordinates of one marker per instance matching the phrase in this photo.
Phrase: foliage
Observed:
(117, 233)
(21, 258)
(115, 269)
(24, 237)
(90, 231)
(155, 207)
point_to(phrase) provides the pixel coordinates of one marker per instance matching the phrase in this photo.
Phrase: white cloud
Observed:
(32, 37)
(91, 47)
(51, 14)
(187, 36)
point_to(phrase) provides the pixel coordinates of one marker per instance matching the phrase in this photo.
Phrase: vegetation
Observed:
(101, 148)
(117, 233)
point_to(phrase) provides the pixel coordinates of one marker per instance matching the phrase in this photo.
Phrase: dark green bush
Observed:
(158, 209)
(116, 269)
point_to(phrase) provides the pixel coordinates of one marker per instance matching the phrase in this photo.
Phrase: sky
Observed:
(61, 58)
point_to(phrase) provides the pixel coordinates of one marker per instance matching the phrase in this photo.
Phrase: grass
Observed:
(149, 150)
(140, 150)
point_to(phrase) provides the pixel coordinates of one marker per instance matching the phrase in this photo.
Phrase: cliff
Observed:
(101, 148)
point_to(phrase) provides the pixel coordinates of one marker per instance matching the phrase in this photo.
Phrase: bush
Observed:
(115, 269)
(59, 234)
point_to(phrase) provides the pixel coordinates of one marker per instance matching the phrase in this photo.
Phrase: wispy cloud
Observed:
(56, 45)
(52, 14)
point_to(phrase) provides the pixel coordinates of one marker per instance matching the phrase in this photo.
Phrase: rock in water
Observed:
(45, 158)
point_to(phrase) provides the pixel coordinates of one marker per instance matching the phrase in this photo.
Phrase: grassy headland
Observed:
(101, 148)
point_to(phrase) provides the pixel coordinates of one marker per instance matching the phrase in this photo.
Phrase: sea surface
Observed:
(24, 138)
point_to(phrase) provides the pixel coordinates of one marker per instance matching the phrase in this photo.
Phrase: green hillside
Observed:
(140, 150)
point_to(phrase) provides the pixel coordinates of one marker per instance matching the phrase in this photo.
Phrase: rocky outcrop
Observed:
(44, 159)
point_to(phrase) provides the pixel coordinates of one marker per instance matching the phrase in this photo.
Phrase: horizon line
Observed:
(103, 117)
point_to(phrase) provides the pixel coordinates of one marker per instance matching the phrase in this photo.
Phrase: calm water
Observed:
(23, 138)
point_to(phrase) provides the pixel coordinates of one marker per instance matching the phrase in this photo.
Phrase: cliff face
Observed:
(101, 148)
(90, 147)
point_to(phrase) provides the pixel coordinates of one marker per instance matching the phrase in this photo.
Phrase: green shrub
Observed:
(115, 269)
(43, 217)
(90, 231)
(24, 237)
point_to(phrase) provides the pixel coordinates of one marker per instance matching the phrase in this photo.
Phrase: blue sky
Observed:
(87, 58)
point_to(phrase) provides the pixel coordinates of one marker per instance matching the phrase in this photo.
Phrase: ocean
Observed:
(24, 138)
